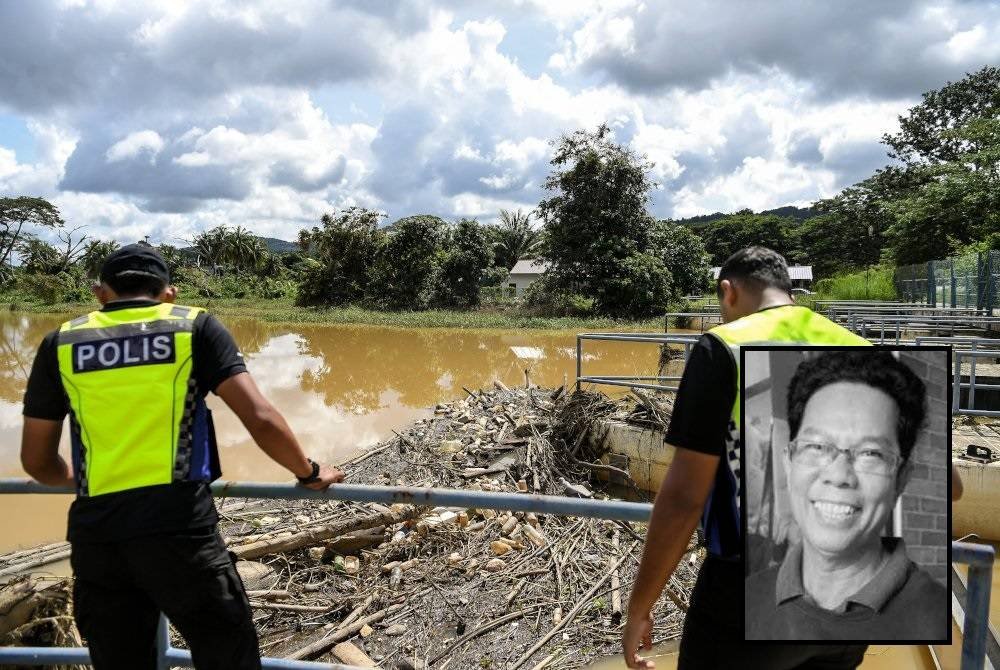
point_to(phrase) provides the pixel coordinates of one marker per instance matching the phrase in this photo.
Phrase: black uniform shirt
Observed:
(150, 510)
(700, 422)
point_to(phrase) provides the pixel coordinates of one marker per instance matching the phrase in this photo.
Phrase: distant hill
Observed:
(274, 245)
(799, 214)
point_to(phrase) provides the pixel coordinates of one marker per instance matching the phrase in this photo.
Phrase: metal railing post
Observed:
(579, 360)
(956, 387)
(162, 643)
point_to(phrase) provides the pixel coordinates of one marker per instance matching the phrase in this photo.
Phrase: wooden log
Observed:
(349, 654)
(616, 592)
(289, 607)
(269, 594)
(45, 559)
(346, 544)
(317, 534)
(366, 455)
(33, 551)
(341, 634)
(358, 611)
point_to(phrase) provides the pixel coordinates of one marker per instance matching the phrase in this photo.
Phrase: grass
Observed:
(876, 284)
(284, 311)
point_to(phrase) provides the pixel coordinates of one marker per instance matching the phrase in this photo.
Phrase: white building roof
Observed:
(530, 266)
(794, 272)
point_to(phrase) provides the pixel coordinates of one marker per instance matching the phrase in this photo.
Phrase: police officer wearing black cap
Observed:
(133, 377)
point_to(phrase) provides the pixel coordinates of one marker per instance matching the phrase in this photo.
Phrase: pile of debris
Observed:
(408, 587)
(417, 587)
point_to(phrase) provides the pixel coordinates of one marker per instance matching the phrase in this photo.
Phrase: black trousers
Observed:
(713, 632)
(120, 588)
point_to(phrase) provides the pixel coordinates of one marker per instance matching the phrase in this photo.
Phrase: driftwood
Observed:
(316, 535)
(485, 628)
(342, 634)
(573, 612)
(37, 561)
(351, 655)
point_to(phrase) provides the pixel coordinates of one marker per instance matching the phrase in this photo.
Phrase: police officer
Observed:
(703, 480)
(133, 377)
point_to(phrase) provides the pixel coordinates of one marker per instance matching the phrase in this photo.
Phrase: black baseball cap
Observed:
(135, 259)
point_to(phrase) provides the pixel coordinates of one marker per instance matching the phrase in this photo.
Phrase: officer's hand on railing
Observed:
(327, 475)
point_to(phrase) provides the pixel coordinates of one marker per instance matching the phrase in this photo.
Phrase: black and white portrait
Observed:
(846, 464)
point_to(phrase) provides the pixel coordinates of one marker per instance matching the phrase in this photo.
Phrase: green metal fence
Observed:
(961, 281)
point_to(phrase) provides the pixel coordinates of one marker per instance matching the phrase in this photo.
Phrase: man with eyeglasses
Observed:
(854, 417)
(704, 479)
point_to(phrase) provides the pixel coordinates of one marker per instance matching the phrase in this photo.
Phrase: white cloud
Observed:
(143, 141)
(271, 114)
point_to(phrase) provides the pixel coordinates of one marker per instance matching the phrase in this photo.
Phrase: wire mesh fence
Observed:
(968, 281)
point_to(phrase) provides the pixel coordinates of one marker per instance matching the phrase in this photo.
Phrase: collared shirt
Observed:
(901, 602)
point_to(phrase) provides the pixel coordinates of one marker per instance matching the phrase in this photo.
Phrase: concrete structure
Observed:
(801, 275)
(524, 272)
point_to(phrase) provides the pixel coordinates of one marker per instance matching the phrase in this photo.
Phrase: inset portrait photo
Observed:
(846, 472)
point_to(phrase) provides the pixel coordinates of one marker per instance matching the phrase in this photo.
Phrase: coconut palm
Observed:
(516, 238)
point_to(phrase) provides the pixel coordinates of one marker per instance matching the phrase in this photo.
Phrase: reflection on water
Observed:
(340, 387)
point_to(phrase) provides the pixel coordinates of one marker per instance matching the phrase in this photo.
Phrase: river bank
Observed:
(283, 311)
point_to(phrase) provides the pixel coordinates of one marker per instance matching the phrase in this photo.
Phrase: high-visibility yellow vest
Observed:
(789, 324)
(136, 417)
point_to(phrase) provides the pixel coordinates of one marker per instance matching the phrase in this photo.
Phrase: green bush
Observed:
(544, 298)
(50, 289)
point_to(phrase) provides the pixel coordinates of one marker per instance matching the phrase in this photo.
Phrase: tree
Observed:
(244, 251)
(94, 254)
(955, 203)
(596, 224)
(727, 235)
(405, 268)
(38, 256)
(683, 254)
(15, 214)
(467, 255)
(210, 247)
(927, 131)
(342, 250)
(516, 238)
(73, 249)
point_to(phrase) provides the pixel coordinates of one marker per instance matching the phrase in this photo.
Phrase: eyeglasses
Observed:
(868, 459)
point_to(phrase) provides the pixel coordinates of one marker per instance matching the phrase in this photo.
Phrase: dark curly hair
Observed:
(878, 369)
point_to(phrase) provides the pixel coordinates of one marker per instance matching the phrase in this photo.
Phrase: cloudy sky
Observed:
(166, 118)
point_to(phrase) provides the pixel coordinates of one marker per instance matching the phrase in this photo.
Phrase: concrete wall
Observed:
(521, 281)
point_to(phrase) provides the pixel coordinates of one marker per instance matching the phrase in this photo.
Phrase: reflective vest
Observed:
(789, 324)
(136, 417)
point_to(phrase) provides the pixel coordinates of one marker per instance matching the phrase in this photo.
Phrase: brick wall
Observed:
(925, 499)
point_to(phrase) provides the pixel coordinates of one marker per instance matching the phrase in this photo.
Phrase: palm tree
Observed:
(516, 237)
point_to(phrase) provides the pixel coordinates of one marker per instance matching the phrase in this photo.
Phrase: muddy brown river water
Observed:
(342, 388)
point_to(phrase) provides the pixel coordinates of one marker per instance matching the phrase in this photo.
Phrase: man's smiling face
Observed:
(839, 510)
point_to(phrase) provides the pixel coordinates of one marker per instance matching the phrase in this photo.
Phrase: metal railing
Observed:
(169, 656)
(632, 381)
(957, 384)
(707, 317)
(974, 623)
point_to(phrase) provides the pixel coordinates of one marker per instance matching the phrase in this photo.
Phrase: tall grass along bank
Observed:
(874, 284)
(284, 311)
